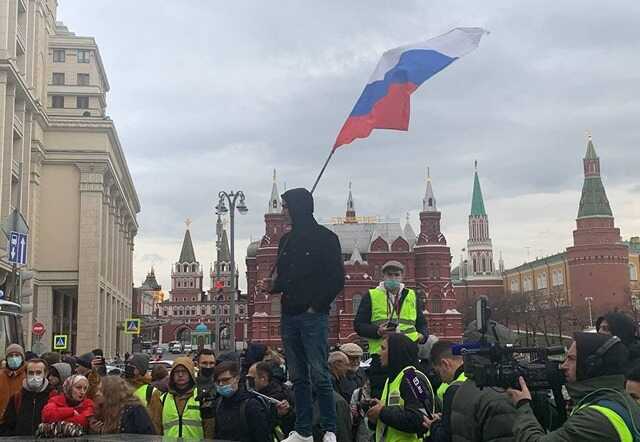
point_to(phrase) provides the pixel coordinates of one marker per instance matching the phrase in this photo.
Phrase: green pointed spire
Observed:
(187, 254)
(593, 201)
(477, 203)
(591, 151)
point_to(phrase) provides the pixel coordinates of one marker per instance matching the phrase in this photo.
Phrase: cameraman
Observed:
(603, 411)
(389, 308)
(471, 413)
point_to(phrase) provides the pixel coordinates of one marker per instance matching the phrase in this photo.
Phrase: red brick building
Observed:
(595, 275)
(191, 312)
(367, 243)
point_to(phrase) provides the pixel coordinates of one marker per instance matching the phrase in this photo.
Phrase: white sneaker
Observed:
(329, 437)
(294, 436)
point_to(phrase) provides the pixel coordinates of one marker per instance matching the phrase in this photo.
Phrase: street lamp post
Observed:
(589, 300)
(235, 200)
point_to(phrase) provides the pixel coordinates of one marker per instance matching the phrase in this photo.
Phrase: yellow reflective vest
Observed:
(188, 425)
(442, 389)
(391, 398)
(382, 312)
(624, 433)
(141, 393)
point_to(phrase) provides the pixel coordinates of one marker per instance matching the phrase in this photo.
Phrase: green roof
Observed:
(187, 254)
(477, 203)
(594, 202)
(591, 151)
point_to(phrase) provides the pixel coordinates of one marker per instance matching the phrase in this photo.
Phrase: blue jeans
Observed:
(305, 345)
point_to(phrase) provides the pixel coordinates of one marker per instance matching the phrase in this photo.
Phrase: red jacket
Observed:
(57, 410)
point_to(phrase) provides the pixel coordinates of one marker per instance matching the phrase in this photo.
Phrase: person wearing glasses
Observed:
(177, 413)
(389, 308)
(239, 414)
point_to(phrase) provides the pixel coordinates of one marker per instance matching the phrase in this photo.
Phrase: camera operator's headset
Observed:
(595, 361)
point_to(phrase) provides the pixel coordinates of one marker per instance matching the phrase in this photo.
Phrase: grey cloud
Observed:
(213, 95)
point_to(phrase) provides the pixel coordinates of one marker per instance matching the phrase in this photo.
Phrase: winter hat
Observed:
(15, 348)
(85, 360)
(63, 370)
(140, 361)
(613, 361)
(352, 350)
(622, 326)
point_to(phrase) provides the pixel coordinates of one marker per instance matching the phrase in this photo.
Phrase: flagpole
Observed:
(322, 170)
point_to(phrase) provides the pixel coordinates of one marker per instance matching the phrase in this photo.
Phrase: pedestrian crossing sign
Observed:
(132, 326)
(60, 342)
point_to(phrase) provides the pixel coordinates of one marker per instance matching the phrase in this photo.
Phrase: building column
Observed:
(91, 189)
(110, 247)
(44, 314)
(9, 98)
(109, 347)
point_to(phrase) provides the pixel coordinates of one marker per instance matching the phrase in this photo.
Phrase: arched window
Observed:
(177, 267)
(475, 265)
(191, 283)
(484, 264)
(633, 272)
(193, 268)
(356, 300)
(185, 268)
(179, 283)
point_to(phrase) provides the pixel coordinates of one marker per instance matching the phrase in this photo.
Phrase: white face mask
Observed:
(35, 382)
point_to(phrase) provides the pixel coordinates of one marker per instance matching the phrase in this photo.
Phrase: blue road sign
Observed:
(18, 248)
(60, 342)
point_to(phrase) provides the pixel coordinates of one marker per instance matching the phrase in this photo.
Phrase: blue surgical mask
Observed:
(225, 390)
(14, 362)
(391, 285)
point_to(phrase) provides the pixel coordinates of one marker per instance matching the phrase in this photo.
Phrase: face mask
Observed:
(207, 372)
(129, 371)
(225, 390)
(391, 285)
(35, 382)
(14, 362)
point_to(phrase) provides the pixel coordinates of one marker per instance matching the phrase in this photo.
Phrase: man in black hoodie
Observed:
(399, 413)
(309, 273)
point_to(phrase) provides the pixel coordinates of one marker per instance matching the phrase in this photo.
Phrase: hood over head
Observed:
(85, 359)
(255, 353)
(403, 352)
(63, 369)
(300, 205)
(186, 363)
(622, 326)
(613, 361)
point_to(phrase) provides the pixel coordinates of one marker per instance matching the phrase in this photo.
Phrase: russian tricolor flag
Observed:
(385, 102)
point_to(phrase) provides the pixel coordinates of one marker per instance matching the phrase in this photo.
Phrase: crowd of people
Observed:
(412, 388)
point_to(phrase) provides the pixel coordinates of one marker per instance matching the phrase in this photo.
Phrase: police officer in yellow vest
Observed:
(399, 413)
(594, 370)
(178, 414)
(389, 308)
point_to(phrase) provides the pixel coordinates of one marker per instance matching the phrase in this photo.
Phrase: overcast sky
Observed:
(210, 95)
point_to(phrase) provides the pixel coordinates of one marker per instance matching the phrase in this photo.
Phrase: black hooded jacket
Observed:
(310, 269)
(613, 362)
(623, 326)
(403, 352)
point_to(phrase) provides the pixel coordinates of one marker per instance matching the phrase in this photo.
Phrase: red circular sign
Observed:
(38, 329)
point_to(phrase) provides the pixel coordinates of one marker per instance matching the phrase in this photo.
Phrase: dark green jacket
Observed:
(585, 424)
(485, 415)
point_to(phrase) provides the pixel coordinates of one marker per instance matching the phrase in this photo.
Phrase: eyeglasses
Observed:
(224, 380)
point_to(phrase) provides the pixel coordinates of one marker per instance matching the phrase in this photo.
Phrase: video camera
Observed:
(497, 365)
